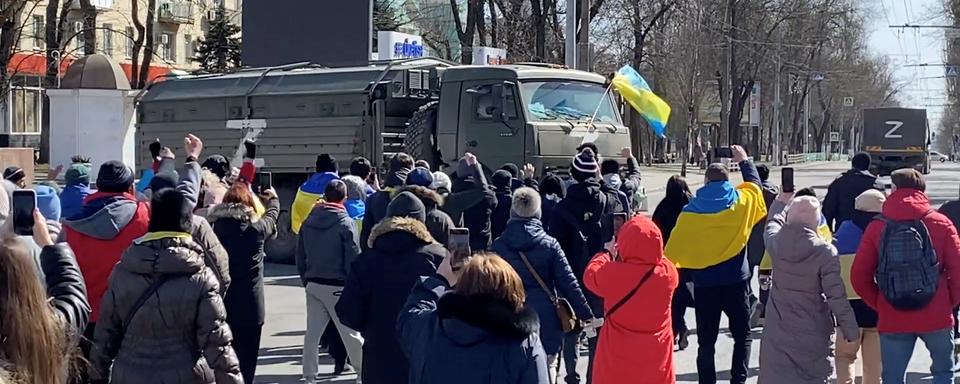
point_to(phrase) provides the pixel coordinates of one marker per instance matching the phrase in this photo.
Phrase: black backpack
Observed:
(907, 270)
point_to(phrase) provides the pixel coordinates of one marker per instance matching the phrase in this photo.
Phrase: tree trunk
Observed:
(52, 37)
(137, 45)
(539, 30)
(494, 35)
(149, 45)
(89, 27)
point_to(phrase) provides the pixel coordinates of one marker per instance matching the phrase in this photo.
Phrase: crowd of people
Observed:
(161, 280)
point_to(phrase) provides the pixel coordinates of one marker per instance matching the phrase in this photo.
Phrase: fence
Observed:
(798, 158)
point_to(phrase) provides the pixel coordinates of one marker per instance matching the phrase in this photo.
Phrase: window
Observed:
(78, 32)
(167, 47)
(568, 100)
(129, 39)
(108, 39)
(188, 51)
(25, 107)
(483, 102)
(39, 31)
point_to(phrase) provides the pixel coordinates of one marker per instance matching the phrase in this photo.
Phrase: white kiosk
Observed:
(92, 114)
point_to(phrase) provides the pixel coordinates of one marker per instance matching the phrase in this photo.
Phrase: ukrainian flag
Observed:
(823, 230)
(636, 91)
(716, 225)
(309, 194)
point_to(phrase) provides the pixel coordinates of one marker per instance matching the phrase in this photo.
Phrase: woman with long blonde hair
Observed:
(39, 327)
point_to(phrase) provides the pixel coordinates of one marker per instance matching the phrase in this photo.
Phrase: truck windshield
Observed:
(567, 100)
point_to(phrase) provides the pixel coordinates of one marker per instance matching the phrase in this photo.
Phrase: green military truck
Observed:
(432, 109)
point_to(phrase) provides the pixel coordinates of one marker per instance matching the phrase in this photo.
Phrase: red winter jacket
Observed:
(910, 204)
(636, 343)
(106, 226)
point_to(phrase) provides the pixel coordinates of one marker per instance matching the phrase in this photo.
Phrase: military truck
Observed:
(432, 109)
(896, 138)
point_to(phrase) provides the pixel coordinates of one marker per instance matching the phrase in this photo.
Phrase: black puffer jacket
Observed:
(377, 204)
(470, 204)
(243, 235)
(451, 338)
(179, 334)
(438, 222)
(838, 205)
(581, 212)
(65, 287)
(401, 250)
(215, 256)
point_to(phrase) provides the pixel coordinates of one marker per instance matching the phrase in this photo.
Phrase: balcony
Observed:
(175, 12)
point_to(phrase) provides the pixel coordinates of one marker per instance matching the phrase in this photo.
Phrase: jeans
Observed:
(896, 350)
(321, 299)
(571, 353)
(868, 345)
(734, 301)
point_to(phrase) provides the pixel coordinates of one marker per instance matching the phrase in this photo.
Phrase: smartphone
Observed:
(786, 179)
(264, 181)
(722, 153)
(24, 203)
(459, 245)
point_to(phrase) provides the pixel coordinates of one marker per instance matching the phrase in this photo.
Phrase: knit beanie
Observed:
(114, 177)
(440, 181)
(805, 211)
(526, 204)
(167, 179)
(513, 169)
(78, 174)
(501, 180)
(406, 204)
(717, 172)
(584, 165)
(326, 163)
(48, 202)
(871, 201)
(609, 167)
(420, 176)
(170, 212)
(356, 187)
(861, 161)
(908, 178)
(551, 184)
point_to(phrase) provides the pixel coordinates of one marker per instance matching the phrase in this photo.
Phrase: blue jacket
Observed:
(546, 256)
(451, 338)
(847, 240)
(71, 200)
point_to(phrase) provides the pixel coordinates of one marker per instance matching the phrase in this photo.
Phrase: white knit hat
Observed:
(526, 204)
(871, 201)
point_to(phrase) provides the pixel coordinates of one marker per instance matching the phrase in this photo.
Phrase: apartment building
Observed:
(179, 24)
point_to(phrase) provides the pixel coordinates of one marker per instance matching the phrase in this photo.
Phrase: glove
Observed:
(155, 148)
(250, 149)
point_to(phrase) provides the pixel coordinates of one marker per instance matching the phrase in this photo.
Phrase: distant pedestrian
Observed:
(838, 205)
(503, 188)
(477, 332)
(326, 249)
(543, 268)
(41, 320)
(400, 165)
(665, 216)
(636, 283)
(577, 224)
(910, 274)
(809, 293)
(400, 251)
(243, 234)
(312, 190)
(711, 236)
(77, 188)
(162, 319)
(847, 239)
(472, 202)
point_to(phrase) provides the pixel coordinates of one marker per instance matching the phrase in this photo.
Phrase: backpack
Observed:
(907, 270)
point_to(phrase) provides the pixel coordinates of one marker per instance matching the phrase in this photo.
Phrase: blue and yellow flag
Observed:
(637, 92)
(823, 230)
(716, 225)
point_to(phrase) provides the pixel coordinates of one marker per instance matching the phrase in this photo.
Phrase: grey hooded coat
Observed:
(807, 293)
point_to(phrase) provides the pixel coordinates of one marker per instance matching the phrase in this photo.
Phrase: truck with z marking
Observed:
(896, 138)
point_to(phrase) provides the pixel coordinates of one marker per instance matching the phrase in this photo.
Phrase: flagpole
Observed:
(600, 104)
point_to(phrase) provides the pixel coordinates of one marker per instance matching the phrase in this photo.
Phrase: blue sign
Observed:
(407, 49)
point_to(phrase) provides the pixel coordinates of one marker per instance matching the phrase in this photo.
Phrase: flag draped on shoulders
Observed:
(307, 196)
(715, 226)
(637, 92)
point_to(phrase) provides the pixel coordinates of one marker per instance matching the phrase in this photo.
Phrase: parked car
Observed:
(936, 156)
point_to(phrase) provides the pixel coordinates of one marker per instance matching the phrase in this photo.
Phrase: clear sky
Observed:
(923, 87)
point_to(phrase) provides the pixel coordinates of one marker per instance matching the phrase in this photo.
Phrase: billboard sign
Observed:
(489, 56)
(754, 104)
(396, 45)
(711, 106)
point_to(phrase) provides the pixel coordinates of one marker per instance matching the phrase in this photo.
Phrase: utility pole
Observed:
(691, 109)
(777, 126)
(725, 84)
(806, 123)
(584, 61)
(570, 43)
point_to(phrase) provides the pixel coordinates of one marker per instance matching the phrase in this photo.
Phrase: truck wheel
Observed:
(281, 247)
(421, 135)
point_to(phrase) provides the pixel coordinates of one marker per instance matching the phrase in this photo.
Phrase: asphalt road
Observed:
(283, 332)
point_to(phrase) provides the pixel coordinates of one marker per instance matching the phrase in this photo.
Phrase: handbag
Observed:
(568, 319)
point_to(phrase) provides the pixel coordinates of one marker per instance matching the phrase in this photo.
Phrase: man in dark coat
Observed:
(471, 202)
(576, 223)
(400, 251)
(437, 221)
(503, 188)
(838, 205)
(400, 165)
